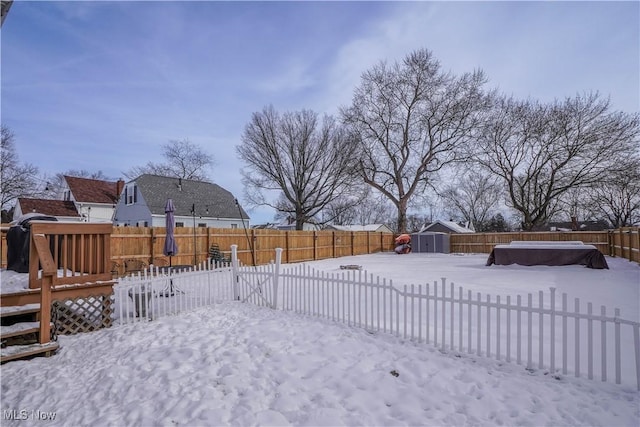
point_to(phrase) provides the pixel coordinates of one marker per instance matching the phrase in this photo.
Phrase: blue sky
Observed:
(102, 85)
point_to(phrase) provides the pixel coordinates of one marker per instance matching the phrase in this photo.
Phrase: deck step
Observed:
(21, 351)
(21, 328)
(17, 310)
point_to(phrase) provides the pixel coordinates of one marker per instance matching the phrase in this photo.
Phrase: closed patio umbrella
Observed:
(170, 245)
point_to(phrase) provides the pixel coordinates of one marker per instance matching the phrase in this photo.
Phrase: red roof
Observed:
(92, 190)
(48, 207)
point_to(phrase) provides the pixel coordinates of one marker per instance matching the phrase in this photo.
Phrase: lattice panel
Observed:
(83, 314)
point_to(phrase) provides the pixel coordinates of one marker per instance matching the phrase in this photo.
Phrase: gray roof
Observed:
(219, 202)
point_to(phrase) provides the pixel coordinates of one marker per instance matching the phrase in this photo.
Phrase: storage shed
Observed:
(433, 242)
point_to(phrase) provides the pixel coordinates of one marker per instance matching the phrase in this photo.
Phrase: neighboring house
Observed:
(380, 228)
(197, 203)
(446, 227)
(63, 210)
(599, 225)
(290, 225)
(83, 200)
(94, 199)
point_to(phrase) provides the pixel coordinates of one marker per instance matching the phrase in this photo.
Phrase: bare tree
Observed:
(16, 179)
(411, 120)
(362, 206)
(310, 161)
(183, 159)
(541, 151)
(473, 197)
(618, 197)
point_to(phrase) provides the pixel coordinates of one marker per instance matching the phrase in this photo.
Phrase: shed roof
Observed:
(451, 225)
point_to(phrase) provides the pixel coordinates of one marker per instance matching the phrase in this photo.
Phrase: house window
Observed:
(234, 225)
(202, 224)
(179, 224)
(66, 195)
(130, 194)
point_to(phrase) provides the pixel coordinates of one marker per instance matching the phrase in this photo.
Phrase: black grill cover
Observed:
(18, 242)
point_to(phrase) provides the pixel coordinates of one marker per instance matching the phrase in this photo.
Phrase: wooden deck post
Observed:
(41, 247)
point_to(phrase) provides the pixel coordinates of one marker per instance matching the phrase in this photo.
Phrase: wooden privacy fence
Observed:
(485, 242)
(625, 243)
(146, 243)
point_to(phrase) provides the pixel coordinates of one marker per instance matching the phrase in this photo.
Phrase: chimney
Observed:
(119, 187)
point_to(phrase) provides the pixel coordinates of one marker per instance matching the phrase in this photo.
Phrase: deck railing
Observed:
(81, 253)
(69, 274)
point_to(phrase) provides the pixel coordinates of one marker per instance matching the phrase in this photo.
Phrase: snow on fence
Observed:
(163, 292)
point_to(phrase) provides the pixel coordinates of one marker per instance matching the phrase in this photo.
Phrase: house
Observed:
(63, 210)
(450, 227)
(289, 224)
(94, 199)
(574, 225)
(379, 228)
(82, 200)
(197, 203)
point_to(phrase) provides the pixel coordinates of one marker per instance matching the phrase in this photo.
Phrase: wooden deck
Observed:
(68, 262)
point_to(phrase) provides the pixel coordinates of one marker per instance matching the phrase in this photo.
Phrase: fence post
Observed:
(286, 241)
(315, 246)
(276, 278)
(637, 246)
(333, 239)
(352, 242)
(234, 264)
(621, 242)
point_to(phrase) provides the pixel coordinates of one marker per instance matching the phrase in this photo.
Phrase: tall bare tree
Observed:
(411, 120)
(16, 179)
(183, 159)
(474, 197)
(618, 197)
(310, 161)
(541, 151)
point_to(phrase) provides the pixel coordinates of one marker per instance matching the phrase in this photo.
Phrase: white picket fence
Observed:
(155, 294)
(544, 331)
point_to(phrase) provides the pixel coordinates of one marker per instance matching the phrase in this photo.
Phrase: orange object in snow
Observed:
(402, 239)
(403, 243)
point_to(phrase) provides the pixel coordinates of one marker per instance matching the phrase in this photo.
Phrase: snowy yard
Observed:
(238, 364)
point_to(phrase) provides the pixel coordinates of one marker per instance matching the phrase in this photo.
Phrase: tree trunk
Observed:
(402, 216)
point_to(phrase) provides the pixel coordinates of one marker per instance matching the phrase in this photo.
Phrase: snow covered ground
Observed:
(237, 364)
